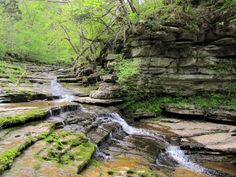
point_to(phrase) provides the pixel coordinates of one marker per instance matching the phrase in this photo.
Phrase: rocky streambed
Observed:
(63, 137)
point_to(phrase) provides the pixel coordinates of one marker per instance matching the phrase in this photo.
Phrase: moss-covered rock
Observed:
(13, 143)
(21, 118)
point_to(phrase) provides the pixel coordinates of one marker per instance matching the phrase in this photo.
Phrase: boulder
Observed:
(106, 91)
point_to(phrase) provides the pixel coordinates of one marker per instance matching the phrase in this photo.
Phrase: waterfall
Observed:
(173, 151)
(58, 90)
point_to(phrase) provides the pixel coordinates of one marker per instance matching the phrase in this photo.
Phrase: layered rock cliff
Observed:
(188, 53)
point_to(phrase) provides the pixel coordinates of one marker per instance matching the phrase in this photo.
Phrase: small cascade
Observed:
(58, 90)
(132, 130)
(178, 155)
(173, 152)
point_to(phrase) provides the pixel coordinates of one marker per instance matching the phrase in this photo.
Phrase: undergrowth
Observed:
(126, 69)
(207, 101)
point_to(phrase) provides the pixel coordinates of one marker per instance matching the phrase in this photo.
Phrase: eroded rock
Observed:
(222, 115)
(106, 91)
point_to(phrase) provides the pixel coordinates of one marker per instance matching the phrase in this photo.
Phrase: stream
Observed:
(122, 149)
(135, 145)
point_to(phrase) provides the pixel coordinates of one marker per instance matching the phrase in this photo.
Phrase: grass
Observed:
(19, 119)
(155, 105)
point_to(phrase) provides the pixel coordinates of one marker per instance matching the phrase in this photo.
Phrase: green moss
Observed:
(156, 12)
(95, 163)
(7, 157)
(19, 119)
(227, 4)
(66, 148)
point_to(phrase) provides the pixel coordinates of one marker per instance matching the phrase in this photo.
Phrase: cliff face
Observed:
(186, 55)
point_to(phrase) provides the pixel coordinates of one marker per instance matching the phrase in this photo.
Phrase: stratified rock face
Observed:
(220, 115)
(175, 59)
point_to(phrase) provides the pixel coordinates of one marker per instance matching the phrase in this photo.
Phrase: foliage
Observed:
(53, 33)
(205, 101)
(49, 32)
(126, 69)
(228, 4)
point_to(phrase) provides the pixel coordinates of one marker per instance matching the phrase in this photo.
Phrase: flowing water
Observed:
(59, 91)
(174, 152)
(127, 137)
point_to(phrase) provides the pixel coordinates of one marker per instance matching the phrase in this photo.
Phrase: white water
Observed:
(132, 130)
(179, 156)
(58, 90)
(173, 151)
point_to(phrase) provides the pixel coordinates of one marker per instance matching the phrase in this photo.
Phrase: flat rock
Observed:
(218, 141)
(36, 161)
(70, 80)
(213, 136)
(221, 115)
(191, 110)
(101, 102)
(18, 136)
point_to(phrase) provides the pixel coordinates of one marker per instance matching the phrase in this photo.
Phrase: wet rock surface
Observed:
(198, 134)
(169, 147)
(47, 158)
(32, 83)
